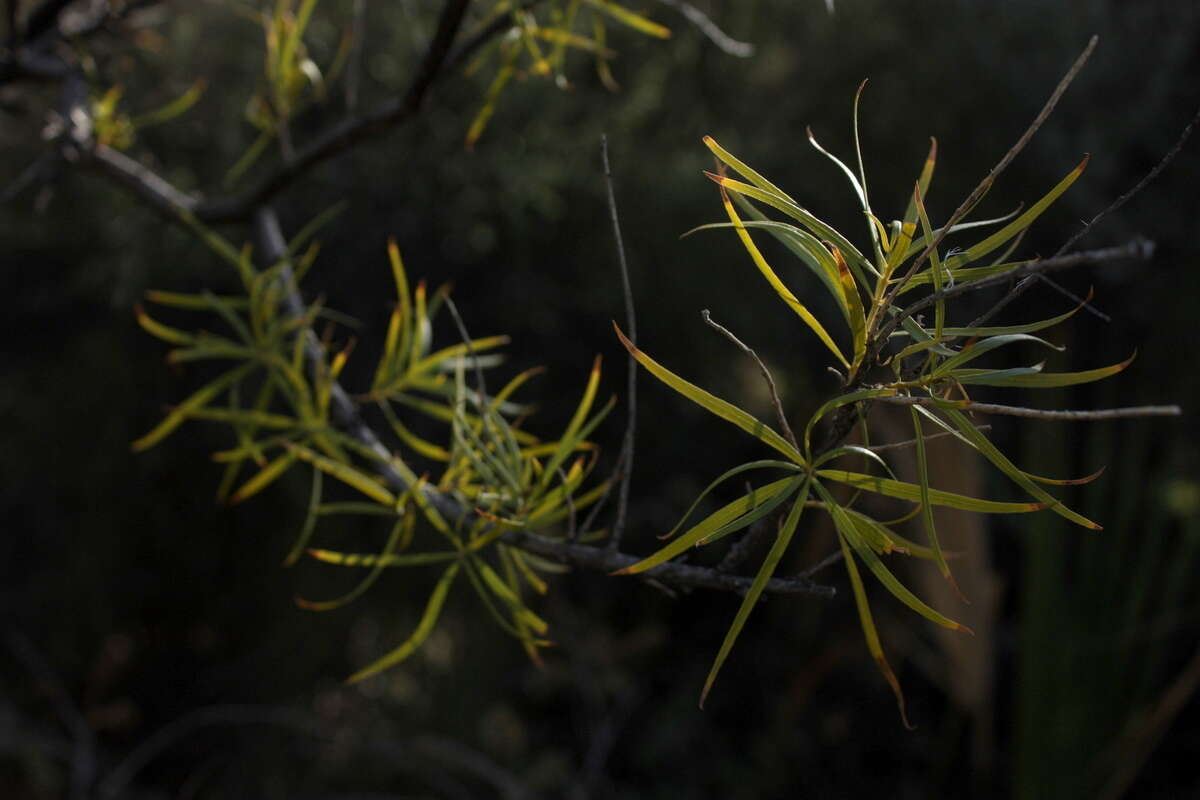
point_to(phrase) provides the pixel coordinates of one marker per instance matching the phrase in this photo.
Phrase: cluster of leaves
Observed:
(291, 80)
(114, 128)
(537, 38)
(278, 401)
(931, 368)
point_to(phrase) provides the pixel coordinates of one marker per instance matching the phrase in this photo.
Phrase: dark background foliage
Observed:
(152, 606)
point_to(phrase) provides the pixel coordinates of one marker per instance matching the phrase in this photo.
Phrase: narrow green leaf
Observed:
(836, 403)
(910, 491)
(978, 251)
(801, 243)
(1029, 327)
(1047, 380)
(745, 171)
(850, 532)
(172, 109)
(374, 559)
(432, 610)
(160, 331)
(868, 626)
(903, 244)
(782, 539)
(571, 434)
(264, 478)
(754, 516)
(199, 399)
(926, 502)
(722, 516)
(310, 519)
(726, 411)
(346, 474)
(731, 473)
(370, 578)
(1002, 463)
(777, 284)
(855, 314)
(818, 228)
(979, 348)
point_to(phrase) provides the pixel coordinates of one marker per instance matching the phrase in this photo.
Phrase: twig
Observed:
(625, 460)
(766, 373)
(883, 448)
(1024, 285)
(1138, 249)
(720, 38)
(827, 561)
(1142, 184)
(987, 182)
(144, 182)
(480, 384)
(348, 132)
(1039, 413)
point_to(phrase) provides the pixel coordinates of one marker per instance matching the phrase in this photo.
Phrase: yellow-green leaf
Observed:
(432, 610)
(910, 491)
(782, 539)
(725, 410)
(777, 284)
(199, 399)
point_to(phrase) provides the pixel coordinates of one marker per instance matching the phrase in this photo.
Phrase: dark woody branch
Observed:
(350, 131)
(345, 415)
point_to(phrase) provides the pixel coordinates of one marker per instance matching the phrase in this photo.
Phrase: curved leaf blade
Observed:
(723, 409)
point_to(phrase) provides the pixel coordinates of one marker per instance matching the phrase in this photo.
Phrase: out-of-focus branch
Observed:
(1136, 250)
(705, 25)
(350, 131)
(1113, 207)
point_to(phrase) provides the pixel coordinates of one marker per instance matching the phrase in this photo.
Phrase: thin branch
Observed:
(145, 183)
(827, 561)
(883, 448)
(987, 182)
(350, 131)
(1038, 413)
(1138, 250)
(705, 25)
(625, 460)
(766, 373)
(345, 415)
(480, 383)
(1024, 285)
(1142, 184)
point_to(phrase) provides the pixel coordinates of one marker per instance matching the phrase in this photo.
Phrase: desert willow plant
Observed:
(890, 353)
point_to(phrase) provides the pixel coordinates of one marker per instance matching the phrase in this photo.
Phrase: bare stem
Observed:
(883, 448)
(1024, 285)
(705, 25)
(987, 182)
(625, 460)
(766, 373)
(1138, 249)
(1039, 413)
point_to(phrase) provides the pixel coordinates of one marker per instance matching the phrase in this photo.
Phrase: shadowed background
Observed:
(148, 605)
